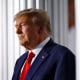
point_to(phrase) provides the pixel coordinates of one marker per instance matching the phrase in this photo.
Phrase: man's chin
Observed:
(21, 43)
(24, 44)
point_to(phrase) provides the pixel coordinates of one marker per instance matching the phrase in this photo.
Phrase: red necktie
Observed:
(27, 66)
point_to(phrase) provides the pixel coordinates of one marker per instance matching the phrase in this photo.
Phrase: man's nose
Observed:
(18, 31)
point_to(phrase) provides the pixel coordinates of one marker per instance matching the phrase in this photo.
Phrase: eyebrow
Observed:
(19, 23)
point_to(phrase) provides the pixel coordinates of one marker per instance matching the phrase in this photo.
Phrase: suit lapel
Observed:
(39, 60)
(36, 65)
(20, 64)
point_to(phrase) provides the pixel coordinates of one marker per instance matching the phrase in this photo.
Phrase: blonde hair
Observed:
(39, 17)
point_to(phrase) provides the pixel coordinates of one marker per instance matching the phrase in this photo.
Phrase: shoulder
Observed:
(62, 49)
(57, 49)
(60, 52)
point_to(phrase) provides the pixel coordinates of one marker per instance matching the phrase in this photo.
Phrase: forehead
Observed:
(22, 19)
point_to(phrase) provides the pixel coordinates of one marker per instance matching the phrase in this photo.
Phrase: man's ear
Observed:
(41, 29)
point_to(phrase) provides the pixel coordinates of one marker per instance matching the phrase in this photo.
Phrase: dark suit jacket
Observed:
(58, 63)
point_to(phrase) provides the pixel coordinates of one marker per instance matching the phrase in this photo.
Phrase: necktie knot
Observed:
(31, 55)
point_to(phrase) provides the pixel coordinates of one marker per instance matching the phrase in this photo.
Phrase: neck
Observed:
(32, 46)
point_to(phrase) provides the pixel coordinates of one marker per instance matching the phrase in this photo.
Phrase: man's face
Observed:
(28, 33)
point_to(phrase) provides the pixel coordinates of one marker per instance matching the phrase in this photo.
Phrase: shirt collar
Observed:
(40, 46)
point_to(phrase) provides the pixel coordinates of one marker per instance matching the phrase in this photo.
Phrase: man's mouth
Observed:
(20, 36)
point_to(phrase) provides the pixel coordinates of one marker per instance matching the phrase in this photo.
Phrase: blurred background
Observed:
(65, 22)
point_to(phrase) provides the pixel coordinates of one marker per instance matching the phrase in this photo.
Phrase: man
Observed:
(50, 61)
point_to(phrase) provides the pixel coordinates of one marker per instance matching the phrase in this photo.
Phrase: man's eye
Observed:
(24, 24)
